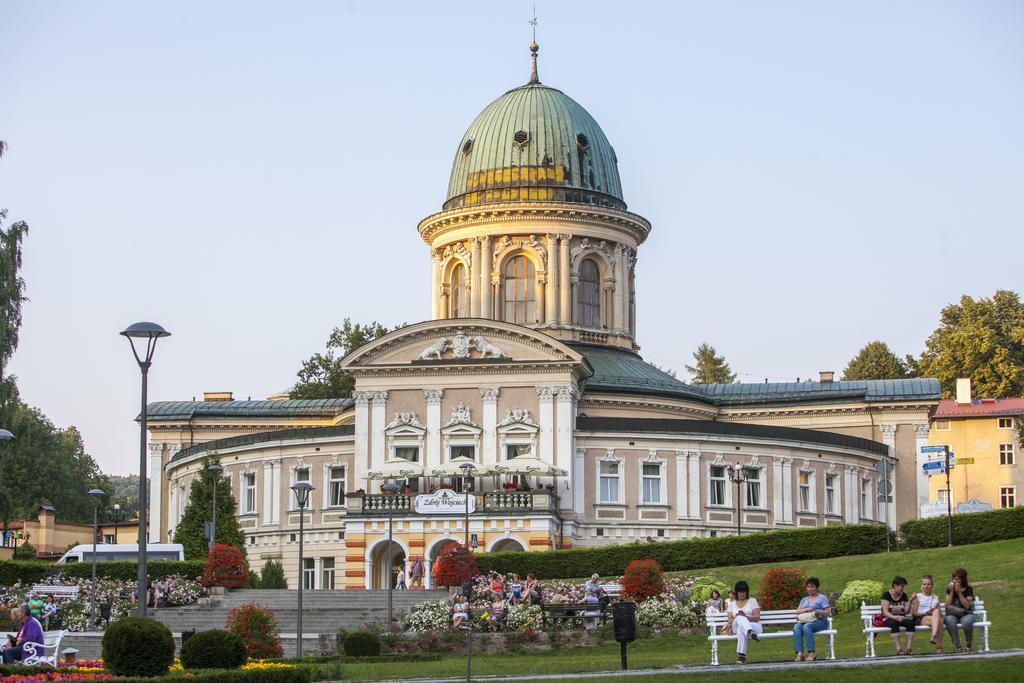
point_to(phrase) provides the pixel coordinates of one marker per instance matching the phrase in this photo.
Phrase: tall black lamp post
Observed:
(214, 469)
(736, 476)
(301, 489)
(149, 332)
(390, 488)
(97, 496)
(115, 514)
(467, 472)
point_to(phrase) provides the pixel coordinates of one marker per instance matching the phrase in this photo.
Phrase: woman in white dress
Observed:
(744, 620)
(925, 608)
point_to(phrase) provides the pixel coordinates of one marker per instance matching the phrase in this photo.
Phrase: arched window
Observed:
(588, 295)
(520, 297)
(458, 297)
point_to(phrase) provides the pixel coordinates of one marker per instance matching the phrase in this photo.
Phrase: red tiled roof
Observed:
(980, 407)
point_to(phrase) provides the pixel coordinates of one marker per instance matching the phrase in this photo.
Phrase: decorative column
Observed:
(551, 289)
(693, 479)
(433, 455)
(618, 305)
(563, 281)
(268, 493)
(682, 488)
(777, 492)
(577, 479)
(275, 501)
(546, 416)
(474, 278)
(435, 286)
(787, 491)
(484, 282)
(889, 439)
(378, 403)
(920, 441)
(850, 495)
(362, 438)
(490, 445)
(541, 296)
(564, 410)
(156, 486)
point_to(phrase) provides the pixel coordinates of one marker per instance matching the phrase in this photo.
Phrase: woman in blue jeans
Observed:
(816, 605)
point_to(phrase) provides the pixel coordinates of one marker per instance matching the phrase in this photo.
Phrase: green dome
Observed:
(534, 143)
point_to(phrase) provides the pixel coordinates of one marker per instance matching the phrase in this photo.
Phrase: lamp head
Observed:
(117, 507)
(97, 494)
(467, 468)
(215, 468)
(302, 489)
(145, 331)
(5, 435)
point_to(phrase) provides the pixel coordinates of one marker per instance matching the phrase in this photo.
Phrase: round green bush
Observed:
(136, 646)
(213, 649)
(362, 644)
(856, 592)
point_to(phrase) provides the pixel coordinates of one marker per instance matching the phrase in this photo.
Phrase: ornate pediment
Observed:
(461, 346)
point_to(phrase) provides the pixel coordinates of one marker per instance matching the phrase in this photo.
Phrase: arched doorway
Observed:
(380, 570)
(507, 545)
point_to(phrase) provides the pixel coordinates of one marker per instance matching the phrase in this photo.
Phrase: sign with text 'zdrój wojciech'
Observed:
(444, 502)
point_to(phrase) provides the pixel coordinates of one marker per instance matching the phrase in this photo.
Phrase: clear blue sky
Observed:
(819, 174)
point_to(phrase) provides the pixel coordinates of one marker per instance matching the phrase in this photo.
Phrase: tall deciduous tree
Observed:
(982, 339)
(876, 361)
(709, 367)
(191, 531)
(322, 376)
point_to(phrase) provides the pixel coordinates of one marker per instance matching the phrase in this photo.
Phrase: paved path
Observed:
(707, 669)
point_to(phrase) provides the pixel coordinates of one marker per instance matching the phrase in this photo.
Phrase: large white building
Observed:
(531, 351)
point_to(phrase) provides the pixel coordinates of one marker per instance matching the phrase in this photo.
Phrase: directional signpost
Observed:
(940, 461)
(884, 467)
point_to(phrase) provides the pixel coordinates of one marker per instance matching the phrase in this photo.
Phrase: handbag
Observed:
(806, 617)
(955, 610)
(878, 621)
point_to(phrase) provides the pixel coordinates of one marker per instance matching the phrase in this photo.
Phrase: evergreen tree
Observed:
(321, 376)
(875, 361)
(982, 339)
(710, 368)
(191, 531)
(273, 576)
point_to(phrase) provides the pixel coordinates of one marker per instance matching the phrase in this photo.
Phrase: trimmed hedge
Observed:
(361, 644)
(298, 674)
(34, 571)
(214, 649)
(137, 646)
(973, 527)
(698, 553)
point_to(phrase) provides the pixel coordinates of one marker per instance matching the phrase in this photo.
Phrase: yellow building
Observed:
(985, 431)
(51, 538)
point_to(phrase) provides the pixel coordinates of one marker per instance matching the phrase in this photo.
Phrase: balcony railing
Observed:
(402, 504)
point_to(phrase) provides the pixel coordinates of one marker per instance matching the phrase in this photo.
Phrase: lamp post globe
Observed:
(214, 469)
(145, 335)
(117, 519)
(302, 490)
(97, 497)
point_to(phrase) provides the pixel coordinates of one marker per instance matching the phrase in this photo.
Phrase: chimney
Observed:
(217, 396)
(963, 390)
(826, 376)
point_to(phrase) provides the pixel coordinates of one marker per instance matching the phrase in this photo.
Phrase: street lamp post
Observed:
(150, 332)
(390, 488)
(215, 469)
(97, 495)
(467, 472)
(736, 477)
(116, 514)
(301, 489)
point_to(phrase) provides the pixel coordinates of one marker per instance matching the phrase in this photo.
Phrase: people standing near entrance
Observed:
(400, 579)
(744, 619)
(435, 572)
(416, 573)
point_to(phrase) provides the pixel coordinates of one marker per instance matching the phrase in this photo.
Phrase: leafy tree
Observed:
(710, 368)
(191, 532)
(12, 296)
(876, 361)
(982, 339)
(321, 376)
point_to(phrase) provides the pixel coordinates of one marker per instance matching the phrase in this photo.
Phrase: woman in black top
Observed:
(960, 609)
(897, 613)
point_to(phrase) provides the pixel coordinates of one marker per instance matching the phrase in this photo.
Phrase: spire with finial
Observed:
(534, 48)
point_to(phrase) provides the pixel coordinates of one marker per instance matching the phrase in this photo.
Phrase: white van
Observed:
(111, 552)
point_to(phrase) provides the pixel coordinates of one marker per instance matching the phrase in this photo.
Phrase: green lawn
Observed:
(995, 570)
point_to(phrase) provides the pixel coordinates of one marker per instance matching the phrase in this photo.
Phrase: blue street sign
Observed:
(934, 449)
(933, 465)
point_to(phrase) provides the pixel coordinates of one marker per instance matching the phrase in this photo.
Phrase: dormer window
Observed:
(521, 138)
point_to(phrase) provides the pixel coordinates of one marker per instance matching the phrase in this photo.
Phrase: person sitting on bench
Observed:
(744, 620)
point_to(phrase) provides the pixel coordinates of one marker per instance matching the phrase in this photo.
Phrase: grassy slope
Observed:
(996, 570)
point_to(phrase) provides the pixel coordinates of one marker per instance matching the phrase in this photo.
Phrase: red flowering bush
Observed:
(782, 588)
(643, 579)
(457, 565)
(257, 627)
(225, 566)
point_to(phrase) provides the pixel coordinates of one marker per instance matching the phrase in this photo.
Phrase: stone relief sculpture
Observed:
(404, 419)
(487, 349)
(461, 415)
(435, 350)
(462, 346)
(517, 416)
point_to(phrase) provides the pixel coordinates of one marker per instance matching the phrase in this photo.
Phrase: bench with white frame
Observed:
(868, 612)
(56, 591)
(777, 617)
(51, 644)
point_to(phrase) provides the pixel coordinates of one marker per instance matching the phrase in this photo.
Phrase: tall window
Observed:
(336, 486)
(458, 293)
(410, 453)
(1006, 454)
(327, 573)
(249, 495)
(652, 483)
(588, 295)
(1007, 496)
(517, 450)
(865, 497)
(718, 486)
(520, 298)
(308, 573)
(830, 494)
(301, 474)
(753, 488)
(609, 482)
(805, 491)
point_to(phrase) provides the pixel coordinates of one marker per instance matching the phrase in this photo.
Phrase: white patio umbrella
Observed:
(453, 468)
(396, 469)
(527, 464)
